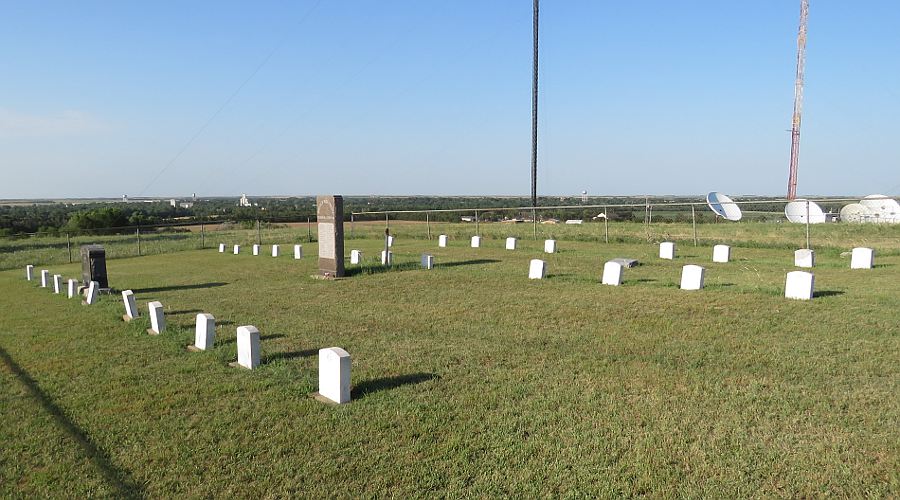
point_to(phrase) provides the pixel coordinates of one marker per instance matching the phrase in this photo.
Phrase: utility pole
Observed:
(534, 108)
(798, 101)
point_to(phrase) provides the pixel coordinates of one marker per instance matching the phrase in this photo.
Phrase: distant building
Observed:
(124, 198)
(174, 203)
(186, 204)
(244, 201)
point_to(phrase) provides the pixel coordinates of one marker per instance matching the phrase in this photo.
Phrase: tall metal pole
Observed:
(798, 101)
(807, 224)
(202, 237)
(694, 223)
(138, 233)
(351, 225)
(258, 236)
(534, 108)
(428, 223)
(534, 222)
(477, 233)
(308, 231)
(69, 247)
(606, 224)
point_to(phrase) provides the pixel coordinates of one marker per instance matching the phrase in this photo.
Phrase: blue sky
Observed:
(434, 97)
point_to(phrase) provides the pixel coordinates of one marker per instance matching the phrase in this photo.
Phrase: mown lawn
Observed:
(469, 380)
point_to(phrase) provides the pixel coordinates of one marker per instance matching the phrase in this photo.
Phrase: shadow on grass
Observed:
(473, 262)
(642, 280)
(827, 293)
(177, 287)
(124, 485)
(363, 389)
(378, 269)
(261, 337)
(184, 311)
(289, 355)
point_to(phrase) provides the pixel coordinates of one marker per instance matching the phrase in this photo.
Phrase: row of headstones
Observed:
(55, 283)
(860, 257)
(298, 250)
(511, 243)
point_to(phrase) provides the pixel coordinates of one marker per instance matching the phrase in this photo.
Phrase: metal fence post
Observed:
(138, 233)
(694, 223)
(308, 231)
(534, 222)
(428, 223)
(202, 237)
(351, 224)
(807, 224)
(477, 233)
(606, 223)
(69, 247)
(258, 236)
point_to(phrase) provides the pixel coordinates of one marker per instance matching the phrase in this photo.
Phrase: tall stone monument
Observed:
(330, 215)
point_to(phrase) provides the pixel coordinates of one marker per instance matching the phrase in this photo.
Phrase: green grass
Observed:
(469, 380)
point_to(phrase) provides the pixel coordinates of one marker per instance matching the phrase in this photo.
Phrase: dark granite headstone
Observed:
(93, 265)
(330, 216)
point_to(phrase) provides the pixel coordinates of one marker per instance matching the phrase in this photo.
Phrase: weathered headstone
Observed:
(549, 246)
(29, 272)
(237, 249)
(330, 214)
(442, 240)
(57, 283)
(667, 250)
(255, 249)
(221, 248)
(427, 261)
(274, 250)
(93, 293)
(692, 277)
(476, 241)
(298, 251)
(355, 256)
(510, 243)
(805, 258)
(612, 273)
(862, 258)
(73, 288)
(157, 318)
(334, 375)
(721, 253)
(45, 278)
(799, 285)
(93, 265)
(387, 258)
(131, 310)
(248, 346)
(205, 332)
(537, 269)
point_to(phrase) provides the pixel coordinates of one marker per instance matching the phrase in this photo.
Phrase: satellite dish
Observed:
(795, 212)
(883, 209)
(723, 206)
(856, 212)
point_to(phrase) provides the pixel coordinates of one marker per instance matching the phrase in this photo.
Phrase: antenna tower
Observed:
(798, 100)
(534, 108)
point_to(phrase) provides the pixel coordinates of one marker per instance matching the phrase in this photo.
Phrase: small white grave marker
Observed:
(805, 258)
(667, 250)
(476, 241)
(57, 283)
(549, 246)
(45, 278)
(612, 273)
(221, 248)
(390, 241)
(692, 277)
(92, 293)
(510, 243)
(862, 258)
(255, 249)
(205, 332)
(387, 260)
(237, 249)
(355, 256)
(442, 240)
(248, 346)
(334, 375)
(721, 253)
(427, 261)
(131, 310)
(157, 319)
(799, 285)
(274, 250)
(537, 269)
(298, 251)
(29, 272)
(73, 288)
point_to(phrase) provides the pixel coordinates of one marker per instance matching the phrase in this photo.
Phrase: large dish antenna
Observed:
(796, 211)
(856, 212)
(884, 209)
(723, 206)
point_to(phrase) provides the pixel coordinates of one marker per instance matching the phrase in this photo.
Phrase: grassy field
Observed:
(469, 379)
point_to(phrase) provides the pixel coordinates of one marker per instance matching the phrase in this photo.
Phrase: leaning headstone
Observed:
(237, 249)
(721, 253)
(93, 265)
(73, 288)
(204, 333)
(93, 292)
(387, 258)
(476, 241)
(442, 240)
(799, 285)
(29, 272)
(334, 375)
(131, 310)
(667, 250)
(862, 258)
(330, 215)
(510, 243)
(248, 346)
(549, 246)
(390, 241)
(537, 269)
(692, 277)
(274, 250)
(355, 256)
(157, 318)
(221, 248)
(298, 251)
(57, 283)
(427, 261)
(45, 278)
(255, 249)
(805, 258)
(612, 273)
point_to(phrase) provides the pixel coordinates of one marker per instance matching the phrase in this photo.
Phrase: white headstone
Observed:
(205, 332)
(387, 260)
(799, 285)
(805, 258)
(57, 283)
(298, 251)
(549, 246)
(721, 253)
(45, 278)
(237, 249)
(692, 277)
(862, 258)
(427, 261)
(667, 250)
(334, 374)
(355, 256)
(73, 288)
(157, 319)
(93, 293)
(131, 310)
(221, 248)
(390, 241)
(510, 243)
(274, 250)
(255, 249)
(612, 273)
(537, 269)
(442, 240)
(476, 241)
(29, 272)
(248, 346)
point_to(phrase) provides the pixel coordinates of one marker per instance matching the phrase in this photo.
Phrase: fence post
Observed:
(477, 233)
(69, 247)
(137, 231)
(606, 223)
(351, 224)
(308, 231)
(428, 223)
(387, 221)
(258, 236)
(807, 224)
(534, 222)
(202, 237)
(694, 223)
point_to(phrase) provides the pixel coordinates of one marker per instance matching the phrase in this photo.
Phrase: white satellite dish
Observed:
(856, 212)
(796, 211)
(883, 209)
(723, 206)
